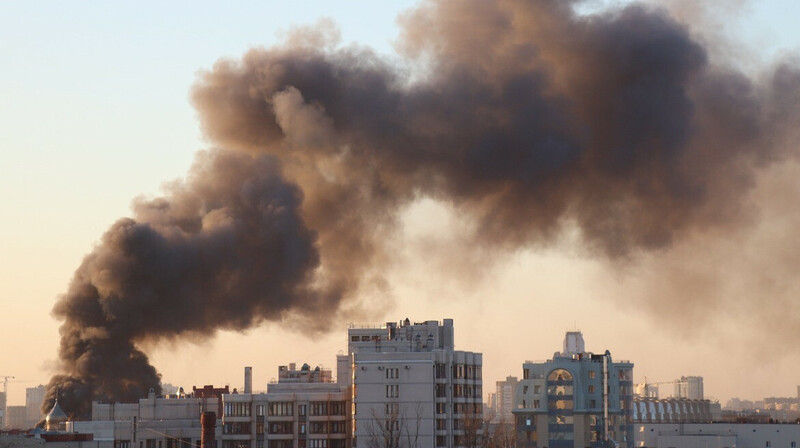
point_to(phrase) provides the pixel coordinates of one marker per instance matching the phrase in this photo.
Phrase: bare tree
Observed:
(502, 434)
(394, 427)
(472, 425)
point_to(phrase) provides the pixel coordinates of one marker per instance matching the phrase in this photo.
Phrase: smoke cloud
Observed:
(522, 115)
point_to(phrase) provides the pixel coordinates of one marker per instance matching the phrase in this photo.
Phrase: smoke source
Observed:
(521, 114)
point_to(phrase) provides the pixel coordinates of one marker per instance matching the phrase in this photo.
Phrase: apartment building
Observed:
(410, 386)
(577, 399)
(304, 409)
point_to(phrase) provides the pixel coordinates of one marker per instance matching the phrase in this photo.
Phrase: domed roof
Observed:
(55, 417)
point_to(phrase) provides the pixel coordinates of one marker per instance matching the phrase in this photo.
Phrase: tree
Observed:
(394, 426)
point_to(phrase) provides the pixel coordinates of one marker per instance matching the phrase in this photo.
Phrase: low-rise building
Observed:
(716, 435)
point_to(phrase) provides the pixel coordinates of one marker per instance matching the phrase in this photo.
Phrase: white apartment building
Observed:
(410, 387)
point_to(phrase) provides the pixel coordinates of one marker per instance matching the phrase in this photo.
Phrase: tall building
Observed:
(577, 399)
(34, 396)
(505, 399)
(690, 387)
(410, 385)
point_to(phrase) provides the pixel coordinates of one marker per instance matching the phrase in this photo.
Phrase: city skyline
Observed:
(97, 113)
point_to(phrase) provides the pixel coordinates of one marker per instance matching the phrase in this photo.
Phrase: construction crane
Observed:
(649, 386)
(5, 384)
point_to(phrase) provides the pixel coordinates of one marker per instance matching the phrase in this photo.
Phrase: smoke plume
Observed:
(522, 115)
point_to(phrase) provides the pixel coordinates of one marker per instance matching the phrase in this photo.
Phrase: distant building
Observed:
(15, 418)
(505, 399)
(34, 396)
(690, 387)
(561, 402)
(410, 384)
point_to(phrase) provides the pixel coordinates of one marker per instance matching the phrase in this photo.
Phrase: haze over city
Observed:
(105, 104)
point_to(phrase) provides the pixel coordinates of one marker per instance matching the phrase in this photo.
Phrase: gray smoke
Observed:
(523, 115)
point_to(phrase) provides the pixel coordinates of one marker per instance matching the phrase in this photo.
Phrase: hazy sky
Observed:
(94, 111)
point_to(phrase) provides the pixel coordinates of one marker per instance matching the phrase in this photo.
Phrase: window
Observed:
(524, 390)
(237, 409)
(260, 409)
(338, 407)
(441, 371)
(365, 338)
(280, 428)
(592, 374)
(441, 408)
(234, 443)
(338, 427)
(318, 427)
(319, 408)
(236, 428)
(537, 389)
(768, 444)
(301, 410)
(441, 424)
(323, 443)
(281, 408)
(591, 388)
(441, 390)
(392, 425)
(392, 373)
(354, 338)
(526, 374)
(559, 375)
(592, 403)
(392, 390)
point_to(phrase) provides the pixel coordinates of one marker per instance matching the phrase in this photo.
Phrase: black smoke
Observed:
(523, 115)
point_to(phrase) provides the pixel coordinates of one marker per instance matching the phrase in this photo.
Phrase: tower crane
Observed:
(5, 384)
(648, 386)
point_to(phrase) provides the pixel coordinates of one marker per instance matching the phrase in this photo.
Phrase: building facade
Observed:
(34, 396)
(689, 387)
(717, 435)
(304, 409)
(577, 399)
(504, 399)
(411, 388)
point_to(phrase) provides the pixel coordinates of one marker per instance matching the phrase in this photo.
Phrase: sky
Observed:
(95, 111)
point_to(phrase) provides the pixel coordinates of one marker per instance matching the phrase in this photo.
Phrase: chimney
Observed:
(248, 380)
(208, 421)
